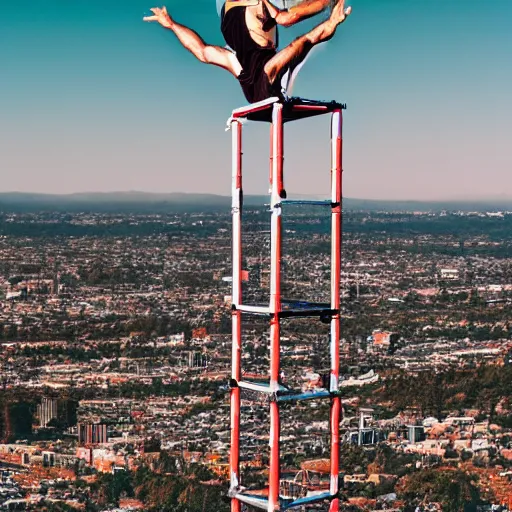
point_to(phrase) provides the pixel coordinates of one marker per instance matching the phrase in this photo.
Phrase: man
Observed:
(250, 29)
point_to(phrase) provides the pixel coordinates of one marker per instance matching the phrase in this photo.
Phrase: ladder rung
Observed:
(306, 202)
(315, 498)
(308, 312)
(253, 499)
(290, 304)
(290, 308)
(309, 395)
(255, 310)
(260, 387)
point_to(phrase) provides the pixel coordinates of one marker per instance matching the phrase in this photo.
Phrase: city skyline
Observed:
(94, 99)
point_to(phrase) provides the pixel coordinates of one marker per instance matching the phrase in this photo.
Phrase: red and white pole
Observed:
(276, 153)
(236, 211)
(336, 239)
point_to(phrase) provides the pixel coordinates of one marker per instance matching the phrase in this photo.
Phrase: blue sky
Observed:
(93, 99)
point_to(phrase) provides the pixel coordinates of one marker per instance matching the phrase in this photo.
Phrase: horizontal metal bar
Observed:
(260, 387)
(310, 107)
(254, 107)
(291, 309)
(306, 202)
(309, 395)
(253, 500)
(309, 500)
(257, 310)
(302, 304)
(306, 312)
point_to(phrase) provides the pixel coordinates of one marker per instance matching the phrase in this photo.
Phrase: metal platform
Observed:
(293, 109)
(308, 395)
(290, 309)
(280, 393)
(262, 502)
(260, 387)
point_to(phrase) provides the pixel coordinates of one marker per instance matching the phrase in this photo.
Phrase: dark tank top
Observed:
(251, 55)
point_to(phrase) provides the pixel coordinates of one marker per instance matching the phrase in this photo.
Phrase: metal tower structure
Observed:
(277, 112)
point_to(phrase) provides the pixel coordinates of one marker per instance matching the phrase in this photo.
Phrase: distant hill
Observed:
(111, 201)
(426, 206)
(108, 197)
(145, 201)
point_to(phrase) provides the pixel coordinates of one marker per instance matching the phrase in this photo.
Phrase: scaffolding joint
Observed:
(233, 491)
(231, 120)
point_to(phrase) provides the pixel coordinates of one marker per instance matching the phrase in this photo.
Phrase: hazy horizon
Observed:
(94, 99)
(482, 198)
(139, 195)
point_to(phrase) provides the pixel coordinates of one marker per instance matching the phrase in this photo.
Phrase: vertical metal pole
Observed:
(236, 210)
(280, 151)
(277, 151)
(275, 300)
(336, 236)
(271, 170)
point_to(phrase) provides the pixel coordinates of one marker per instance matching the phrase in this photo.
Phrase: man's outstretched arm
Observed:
(300, 12)
(194, 44)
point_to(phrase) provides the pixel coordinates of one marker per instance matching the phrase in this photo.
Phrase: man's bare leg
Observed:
(298, 49)
(191, 40)
(302, 11)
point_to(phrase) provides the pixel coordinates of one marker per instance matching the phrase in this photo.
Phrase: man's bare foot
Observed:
(339, 12)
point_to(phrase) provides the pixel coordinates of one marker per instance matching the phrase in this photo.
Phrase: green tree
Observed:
(454, 490)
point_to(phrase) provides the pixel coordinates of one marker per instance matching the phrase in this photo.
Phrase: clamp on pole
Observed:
(232, 120)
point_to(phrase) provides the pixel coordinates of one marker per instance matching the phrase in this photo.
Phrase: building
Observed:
(92, 433)
(449, 273)
(415, 433)
(47, 411)
(382, 341)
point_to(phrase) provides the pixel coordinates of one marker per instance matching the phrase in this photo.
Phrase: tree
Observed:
(454, 490)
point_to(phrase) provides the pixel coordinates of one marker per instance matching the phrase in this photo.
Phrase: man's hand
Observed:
(160, 15)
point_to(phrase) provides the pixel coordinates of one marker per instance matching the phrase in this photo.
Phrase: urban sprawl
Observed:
(115, 360)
